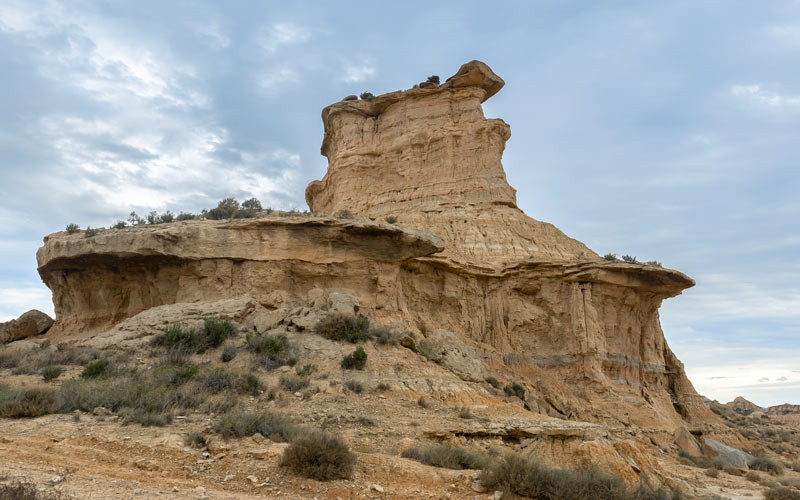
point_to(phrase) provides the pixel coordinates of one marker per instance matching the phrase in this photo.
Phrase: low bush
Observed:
(95, 369)
(292, 383)
(422, 402)
(274, 350)
(183, 374)
(630, 260)
(781, 493)
(355, 361)
(228, 353)
(383, 387)
(383, 335)
(766, 464)
(211, 335)
(217, 380)
(145, 418)
(433, 79)
(367, 96)
(305, 371)
(249, 384)
(493, 382)
(449, 457)
(733, 471)
(216, 331)
(195, 440)
(318, 455)
(51, 373)
(515, 390)
(354, 386)
(26, 403)
(611, 257)
(391, 219)
(465, 413)
(73, 228)
(25, 490)
(226, 209)
(532, 480)
(89, 233)
(120, 225)
(184, 216)
(343, 327)
(272, 425)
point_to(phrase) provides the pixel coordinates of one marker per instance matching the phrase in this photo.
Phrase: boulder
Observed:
(686, 442)
(30, 324)
(448, 350)
(726, 455)
(343, 302)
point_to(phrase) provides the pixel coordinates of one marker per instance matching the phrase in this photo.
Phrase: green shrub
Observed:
(766, 464)
(493, 382)
(449, 457)
(343, 327)
(89, 233)
(95, 369)
(274, 350)
(318, 455)
(73, 228)
(305, 371)
(654, 263)
(249, 384)
(611, 257)
(391, 219)
(433, 79)
(514, 390)
(272, 425)
(251, 204)
(382, 387)
(175, 337)
(167, 217)
(357, 360)
(367, 96)
(217, 330)
(533, 480)
(183, 373)
(135, 220)
(781, 493)
(629, 259)
(184, 216)
(26, 403)
(226, 209)
(120, 225)
(345, 214)
(51, 373)
(293, 384)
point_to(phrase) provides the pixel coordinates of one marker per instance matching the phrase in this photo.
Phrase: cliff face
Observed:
(429, 157)
(462, 257)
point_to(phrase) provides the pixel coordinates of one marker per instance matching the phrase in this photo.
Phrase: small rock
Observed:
(377, 488)
(100, 412)
(206, 454)
(478, 487)
(497, 495)
(476, 475)
(56, 479)
(229, 477)
(252, 479)
(350, 98)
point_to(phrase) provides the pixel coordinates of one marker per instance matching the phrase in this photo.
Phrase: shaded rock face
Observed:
(30, 324)
(462, 258)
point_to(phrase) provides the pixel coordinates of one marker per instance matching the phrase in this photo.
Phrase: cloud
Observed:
(759, 95)
(782, 379)
(283, 35)
(354, 73)
(16, 298)
(764, 379)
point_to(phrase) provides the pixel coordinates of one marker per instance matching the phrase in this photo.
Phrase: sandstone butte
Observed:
(583, 334)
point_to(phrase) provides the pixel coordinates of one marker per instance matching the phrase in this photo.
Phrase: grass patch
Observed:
(344, 327)
(249, 384)
(228, 353)
(532, 480)
(51, 373)
(354, 386)
(293, 384)
(145, 418)
(781, 493)
(217, 380)
(274, 426)
(25, 490)
(26, 403)
(211, 335)
(319, 455)
(514, 390)
(274, 350)
(95, 369)
(449, 457)
(766, 464)
(195, 440)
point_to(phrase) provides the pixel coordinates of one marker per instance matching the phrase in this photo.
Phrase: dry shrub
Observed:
(767, 464)
(269, 424)
(449, 457)
(533, 480)
(26, 403)
(319, 455)
(25, 490)
(781, 493)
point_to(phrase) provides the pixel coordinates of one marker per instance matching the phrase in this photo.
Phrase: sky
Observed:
(664, 130)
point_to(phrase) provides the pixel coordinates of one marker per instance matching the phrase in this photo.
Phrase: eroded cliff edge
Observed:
(582, 334)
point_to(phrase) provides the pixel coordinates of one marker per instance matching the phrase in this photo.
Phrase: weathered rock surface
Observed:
(584, 334)
(686, 442)
(30, 324)
(743, 407)
(726, 455)
(447, 349)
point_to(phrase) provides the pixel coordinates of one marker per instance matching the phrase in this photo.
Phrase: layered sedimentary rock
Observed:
(430, 158)
(581, 333)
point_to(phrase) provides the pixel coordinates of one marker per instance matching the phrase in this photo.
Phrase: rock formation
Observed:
(30, 324)
(581, 333)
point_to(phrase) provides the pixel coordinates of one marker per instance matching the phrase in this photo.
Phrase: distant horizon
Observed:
(663, 131)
